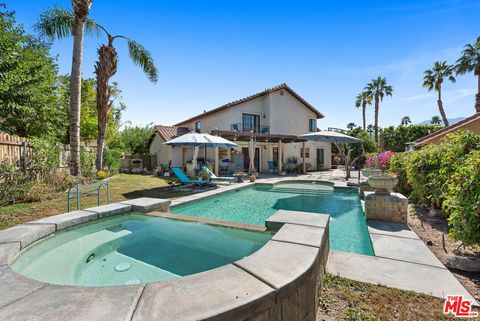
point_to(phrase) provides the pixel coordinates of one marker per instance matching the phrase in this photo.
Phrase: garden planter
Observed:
(252, 178)
(367, 172)
(382, 184)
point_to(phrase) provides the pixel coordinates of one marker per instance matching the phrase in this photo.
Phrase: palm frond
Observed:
(143, 58)
(55, 23)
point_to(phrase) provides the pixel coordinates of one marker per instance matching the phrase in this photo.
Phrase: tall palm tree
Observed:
(54, 24)
(362, 100)
(405, 121)
(105, 68)
(433, 79)
(377, 89)
(436, 121)
(468, 62)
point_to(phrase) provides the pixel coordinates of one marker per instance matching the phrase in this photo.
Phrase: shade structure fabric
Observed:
(251, 155)
(330, 137)
(201, 139)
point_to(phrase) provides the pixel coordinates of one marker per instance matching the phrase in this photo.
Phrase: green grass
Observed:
(344, 299)
(122, 187)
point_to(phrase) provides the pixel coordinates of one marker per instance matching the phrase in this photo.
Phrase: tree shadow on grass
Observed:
(166, 192)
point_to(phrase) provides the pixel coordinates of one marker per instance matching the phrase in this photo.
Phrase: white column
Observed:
(216, 161)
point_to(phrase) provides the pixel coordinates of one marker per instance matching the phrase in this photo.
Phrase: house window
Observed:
(312, 125)
(251, 123)
(198, 127)
(307, 152)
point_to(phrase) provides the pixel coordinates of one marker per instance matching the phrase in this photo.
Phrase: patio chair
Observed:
(272, 166)
(214, 177)
(183, 178)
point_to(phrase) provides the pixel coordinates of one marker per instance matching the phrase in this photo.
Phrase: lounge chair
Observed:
(272, 166)
(213, 177)
(185, 180)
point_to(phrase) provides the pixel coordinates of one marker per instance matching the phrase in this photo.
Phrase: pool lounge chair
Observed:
(213, 177)
(183, 178)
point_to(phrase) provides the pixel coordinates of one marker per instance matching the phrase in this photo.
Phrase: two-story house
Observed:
(272, 119)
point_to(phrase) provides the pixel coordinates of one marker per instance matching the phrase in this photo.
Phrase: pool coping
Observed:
(282, 279)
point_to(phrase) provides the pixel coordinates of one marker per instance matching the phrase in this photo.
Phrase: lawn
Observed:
(344, 299)
(122, 187)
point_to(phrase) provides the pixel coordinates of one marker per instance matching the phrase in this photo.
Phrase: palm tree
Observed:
(105, 68)
(377, 89)
(436, 121)
(362, 100)
(468, 62)
(55, 24)
(405, 121)
(433, 79)
(370, 129)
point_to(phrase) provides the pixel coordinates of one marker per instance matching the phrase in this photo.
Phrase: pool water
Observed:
(253, 205)
(134, 249)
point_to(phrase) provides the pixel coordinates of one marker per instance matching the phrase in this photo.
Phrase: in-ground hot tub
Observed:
(134, 249)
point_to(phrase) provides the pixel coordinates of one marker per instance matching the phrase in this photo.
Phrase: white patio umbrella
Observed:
(197, 140)
(333, 137)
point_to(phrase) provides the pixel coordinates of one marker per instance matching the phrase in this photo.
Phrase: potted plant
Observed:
(239, 175)
(204, 173)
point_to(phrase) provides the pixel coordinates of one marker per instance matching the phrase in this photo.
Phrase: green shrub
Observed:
(462, 202)
(430, 169)
(112, 158)
(395, 138)
(398, 166)
(87, 162)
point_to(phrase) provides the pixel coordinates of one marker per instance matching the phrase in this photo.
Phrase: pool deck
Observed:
(401, 258)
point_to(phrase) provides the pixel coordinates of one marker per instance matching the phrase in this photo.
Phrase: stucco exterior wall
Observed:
(288, 116)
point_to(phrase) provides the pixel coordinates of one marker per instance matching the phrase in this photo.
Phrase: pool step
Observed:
(308, 191)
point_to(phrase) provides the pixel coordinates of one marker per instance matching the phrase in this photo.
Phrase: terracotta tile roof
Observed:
(169, 132)
(448, 129)
(283, 86)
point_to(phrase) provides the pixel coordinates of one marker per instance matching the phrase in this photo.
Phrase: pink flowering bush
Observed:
(380, 160)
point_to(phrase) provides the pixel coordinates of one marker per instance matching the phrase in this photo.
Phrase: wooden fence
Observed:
(14, 149)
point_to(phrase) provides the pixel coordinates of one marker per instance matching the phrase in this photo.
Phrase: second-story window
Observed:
(251, 123)
(198, 127)
(312, 125)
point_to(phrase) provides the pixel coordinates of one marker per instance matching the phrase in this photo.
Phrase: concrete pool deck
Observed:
(401, 261)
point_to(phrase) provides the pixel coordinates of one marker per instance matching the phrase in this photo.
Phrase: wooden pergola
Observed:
(264, 137)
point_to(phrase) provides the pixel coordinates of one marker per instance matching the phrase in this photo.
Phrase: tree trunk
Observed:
(477, 97)
(105, 68)
(440, 106)
(75, 96)
(364, 107)
(377, 106)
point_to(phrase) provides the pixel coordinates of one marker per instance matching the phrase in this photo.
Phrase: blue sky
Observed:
(211, 52)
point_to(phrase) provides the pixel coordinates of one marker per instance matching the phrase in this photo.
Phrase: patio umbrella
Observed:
(333, 137)
(205, 140)
(329, 137)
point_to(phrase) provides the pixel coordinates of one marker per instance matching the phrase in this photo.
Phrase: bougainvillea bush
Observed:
(379, 160)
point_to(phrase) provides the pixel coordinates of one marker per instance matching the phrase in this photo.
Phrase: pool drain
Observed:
(122, 267)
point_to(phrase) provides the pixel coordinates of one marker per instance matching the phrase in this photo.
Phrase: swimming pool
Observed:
(254, 204)
(134, 249)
